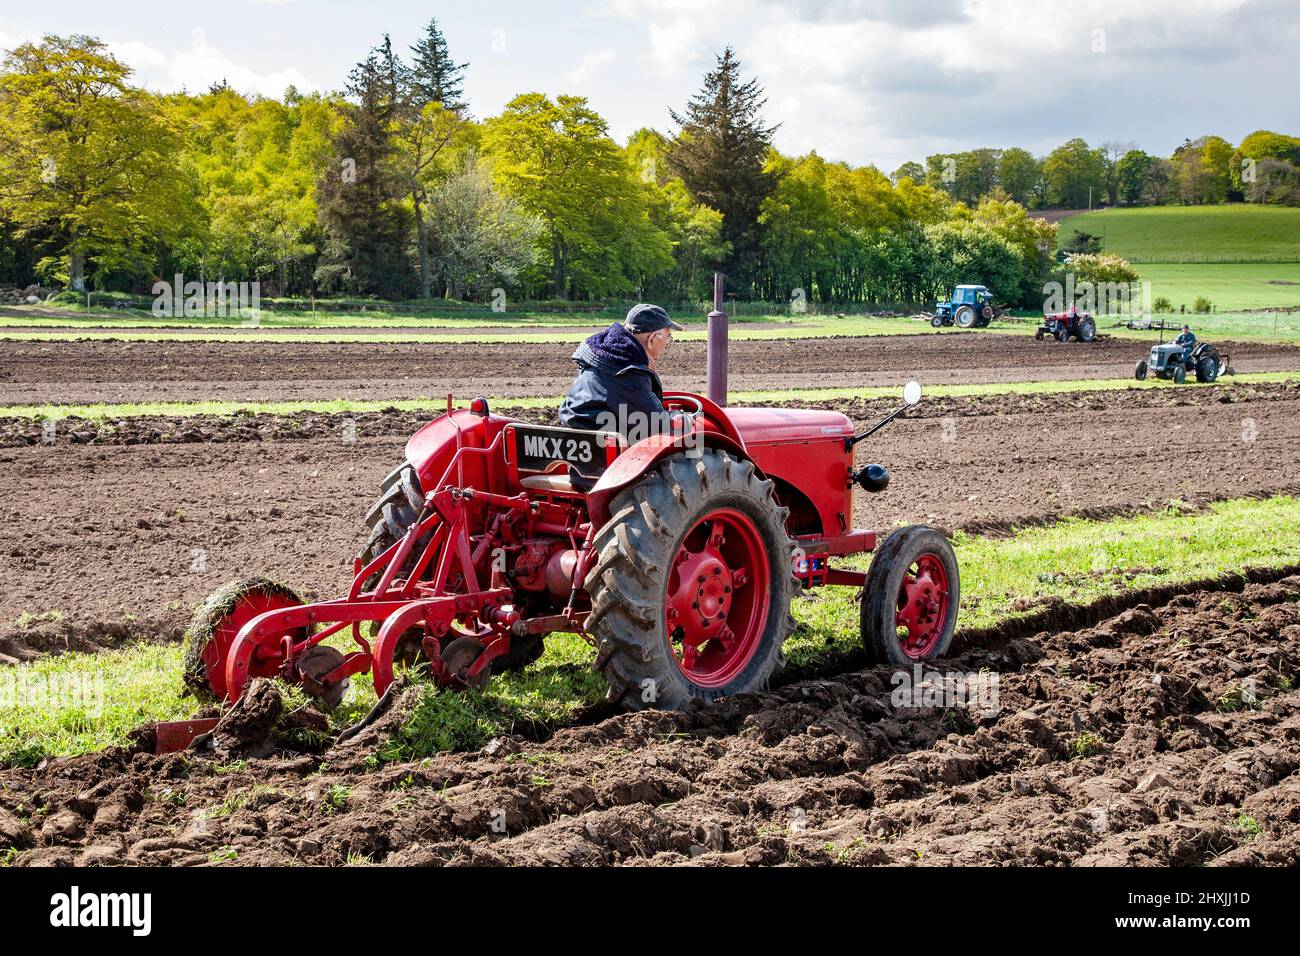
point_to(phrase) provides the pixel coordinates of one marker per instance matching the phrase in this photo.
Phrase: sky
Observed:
(866, 81)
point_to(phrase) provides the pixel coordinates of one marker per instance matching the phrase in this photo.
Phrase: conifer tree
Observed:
(434, 76)
(720, 153)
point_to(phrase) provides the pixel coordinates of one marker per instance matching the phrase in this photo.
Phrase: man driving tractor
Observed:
(1187, 339)
(617, 387)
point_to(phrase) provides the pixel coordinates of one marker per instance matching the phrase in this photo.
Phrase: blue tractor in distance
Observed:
(970, 307)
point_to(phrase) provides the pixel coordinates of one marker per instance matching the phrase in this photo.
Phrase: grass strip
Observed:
(437, 404)
(1075, 560)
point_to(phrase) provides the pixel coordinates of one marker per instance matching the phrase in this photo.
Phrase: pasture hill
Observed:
(1240, 257)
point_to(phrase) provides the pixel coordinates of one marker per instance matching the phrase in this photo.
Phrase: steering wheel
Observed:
(692, 405)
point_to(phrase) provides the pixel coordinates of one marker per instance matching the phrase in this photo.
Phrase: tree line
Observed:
(392, 188)
(1263, 168)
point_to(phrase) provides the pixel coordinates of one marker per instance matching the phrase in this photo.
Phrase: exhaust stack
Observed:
(716, 380)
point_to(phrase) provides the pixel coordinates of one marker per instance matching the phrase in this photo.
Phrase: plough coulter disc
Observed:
(457, 656)
(691, 592)
(217, 621)
(315, 663)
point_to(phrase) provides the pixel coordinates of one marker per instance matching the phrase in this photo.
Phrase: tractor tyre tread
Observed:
(398, 506)
(877, 610)
(627, 584)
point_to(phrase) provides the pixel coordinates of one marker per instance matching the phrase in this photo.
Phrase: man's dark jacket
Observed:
(613, 371)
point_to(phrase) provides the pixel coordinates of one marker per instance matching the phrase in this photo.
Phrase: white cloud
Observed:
(871, 81)
(590, 64)
(202, 65)
(682, 33)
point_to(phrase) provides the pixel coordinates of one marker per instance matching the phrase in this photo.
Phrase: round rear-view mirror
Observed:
(912, 392)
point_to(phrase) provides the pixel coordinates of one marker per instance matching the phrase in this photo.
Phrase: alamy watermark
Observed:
(635, 426)
(209, 300)
(919, 687)
(75, 909)
(25, 688)
(1131, 299)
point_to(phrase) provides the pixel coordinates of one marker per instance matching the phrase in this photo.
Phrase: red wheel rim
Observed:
(217, 651)
(922, 613)
(717, 598)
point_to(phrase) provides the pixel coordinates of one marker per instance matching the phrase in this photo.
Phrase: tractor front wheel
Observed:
(909, 605)
(1180, 375)
(1140, 373)
(690, 594)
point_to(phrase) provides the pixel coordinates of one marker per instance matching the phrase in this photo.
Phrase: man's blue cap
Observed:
(648, 318)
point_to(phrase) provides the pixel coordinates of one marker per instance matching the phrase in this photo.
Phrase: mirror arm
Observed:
(850, 442)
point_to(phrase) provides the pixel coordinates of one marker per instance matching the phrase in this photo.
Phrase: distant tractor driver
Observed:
(1187, 339)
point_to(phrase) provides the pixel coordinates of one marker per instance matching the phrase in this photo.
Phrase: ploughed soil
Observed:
(1159, 733)
(113, 530)
(86, 372)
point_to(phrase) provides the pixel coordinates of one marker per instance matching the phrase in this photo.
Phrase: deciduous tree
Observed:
(88, 166)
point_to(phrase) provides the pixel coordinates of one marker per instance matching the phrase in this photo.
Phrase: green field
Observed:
(1194, 234)
(1276, 327)
(74, 703)
(1230, 287)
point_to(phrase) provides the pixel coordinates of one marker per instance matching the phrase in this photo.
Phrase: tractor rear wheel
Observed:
(909, 605)
(965, 317)
(400, 499)
(1207, 369)
(399, 504)
(1087, 330)
(691, 590)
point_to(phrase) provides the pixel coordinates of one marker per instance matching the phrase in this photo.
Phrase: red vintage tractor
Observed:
(1064, 326)
(678, 563)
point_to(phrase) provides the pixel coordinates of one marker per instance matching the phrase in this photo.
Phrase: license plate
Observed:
(537, 448)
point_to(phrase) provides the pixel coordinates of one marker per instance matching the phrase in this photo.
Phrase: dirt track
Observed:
(1129, 742)
(90, 371)
(100, 533)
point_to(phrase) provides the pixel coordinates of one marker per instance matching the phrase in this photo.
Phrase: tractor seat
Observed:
(551, 484)
(556, 484)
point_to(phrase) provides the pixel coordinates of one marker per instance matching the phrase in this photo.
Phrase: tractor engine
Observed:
(805, 452)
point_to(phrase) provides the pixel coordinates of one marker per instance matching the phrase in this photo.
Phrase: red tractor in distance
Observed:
(678, 564)
(1071, 324)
